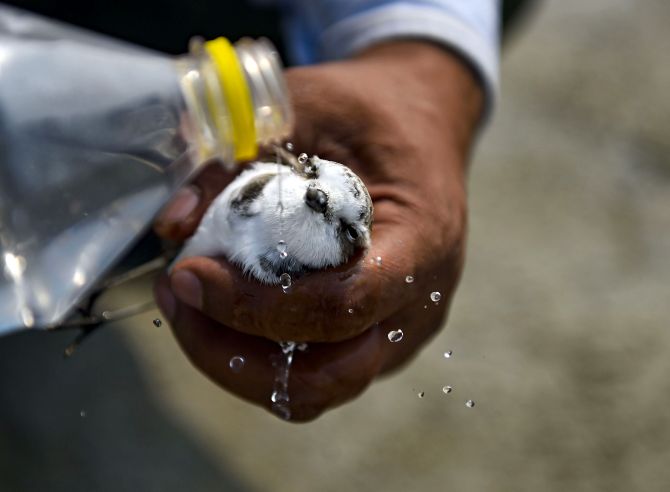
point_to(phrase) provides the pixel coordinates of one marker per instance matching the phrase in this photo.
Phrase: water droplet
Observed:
(69, 350)
(285, 281)
(82, 414)
(425, 306)
(421, 394)
(447, 354)
(470, 403)
(395, 335)
(302, 347)
(350, 310)
(446, 389)
(157, 323)
(289, 146)
(236, 363)
(302, 158)
(282, 248)
(409, 279)
(378, 260)
(435, 296)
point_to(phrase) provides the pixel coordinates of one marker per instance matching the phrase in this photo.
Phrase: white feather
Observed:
(312, 242)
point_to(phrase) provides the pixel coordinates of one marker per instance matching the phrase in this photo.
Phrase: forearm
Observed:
(437, 82)
(322, 30)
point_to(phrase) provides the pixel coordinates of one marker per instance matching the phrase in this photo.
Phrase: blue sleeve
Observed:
(319, 30)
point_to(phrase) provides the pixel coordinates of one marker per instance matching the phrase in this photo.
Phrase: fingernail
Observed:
(166, 301)
(187, 288)
(182, 205)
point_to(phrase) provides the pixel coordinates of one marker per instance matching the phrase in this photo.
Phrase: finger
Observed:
(322, 377)
(181, 216)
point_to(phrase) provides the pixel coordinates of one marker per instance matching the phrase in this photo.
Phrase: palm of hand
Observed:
(355, 113)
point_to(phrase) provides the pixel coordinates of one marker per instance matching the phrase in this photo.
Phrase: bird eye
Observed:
(352, 233)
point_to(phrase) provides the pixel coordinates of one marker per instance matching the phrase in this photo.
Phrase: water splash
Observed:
(281, 244)
(279, 397)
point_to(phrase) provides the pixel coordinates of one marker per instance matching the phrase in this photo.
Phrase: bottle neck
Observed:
(236, 99)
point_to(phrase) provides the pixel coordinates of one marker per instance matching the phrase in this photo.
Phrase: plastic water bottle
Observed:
(95, 137)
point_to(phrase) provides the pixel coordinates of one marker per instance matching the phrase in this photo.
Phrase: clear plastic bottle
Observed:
(95, 137)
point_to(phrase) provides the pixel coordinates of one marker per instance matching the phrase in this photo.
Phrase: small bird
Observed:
(300, 215)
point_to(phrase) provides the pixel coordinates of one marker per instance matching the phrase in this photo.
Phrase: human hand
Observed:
(402, 115)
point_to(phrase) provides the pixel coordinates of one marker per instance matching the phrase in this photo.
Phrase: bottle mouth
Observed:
(263, 71)
(244, 96)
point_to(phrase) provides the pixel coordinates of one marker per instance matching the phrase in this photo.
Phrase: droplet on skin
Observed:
(435, 296)
(285, 282)
(395, 335)
(289, 146)
(421, 394)
(287, 347)
(446, 389)
(157, 323)
(409, 279)
(470, 403)
(302, 158)
(447, 354)
(378, 260)
(282, 248)
(236, 363)
(350, 310)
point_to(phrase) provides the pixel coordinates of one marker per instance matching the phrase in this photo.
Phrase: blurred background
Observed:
(559, 331)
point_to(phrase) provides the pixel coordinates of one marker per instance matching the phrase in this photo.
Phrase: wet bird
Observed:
(316, 216)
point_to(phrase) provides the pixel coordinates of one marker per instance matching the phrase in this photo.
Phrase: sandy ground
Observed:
(559, 331)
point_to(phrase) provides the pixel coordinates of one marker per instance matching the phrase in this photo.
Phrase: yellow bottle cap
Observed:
(237, 96)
